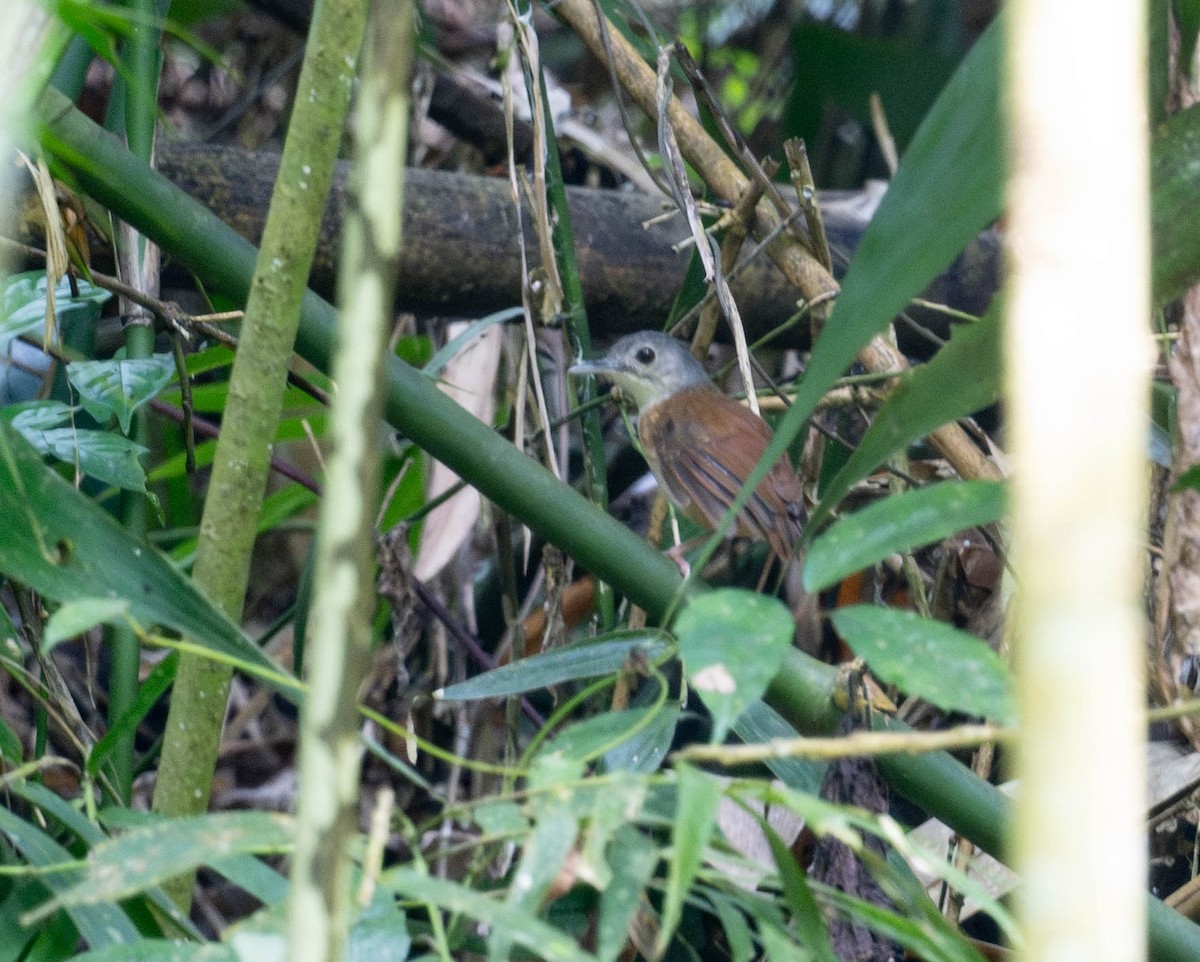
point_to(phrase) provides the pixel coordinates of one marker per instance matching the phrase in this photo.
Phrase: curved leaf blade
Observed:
(589, 659)
(899, 524)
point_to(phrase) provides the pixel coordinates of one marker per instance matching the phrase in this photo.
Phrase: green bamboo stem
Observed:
(340, 630)
(803, 688)
(241, 462)
(134, 109)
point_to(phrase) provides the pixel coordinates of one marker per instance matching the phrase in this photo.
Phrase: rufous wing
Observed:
(702, 446)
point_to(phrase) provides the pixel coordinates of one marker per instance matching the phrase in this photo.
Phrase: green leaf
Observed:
(123, 866)
(63, 546)
(98, 924)
(696, 797)
(897, 524)
(586, 659)
(104, 455)
(160, 679)
(36, 416)
(163, 950)
(1189, 480)
(810, 922)
(732, 643)
(947, 667)
(23, 310)
(542, 858)
(118, 388)
(963, 377)
(1187, 16)
(443, 357)
(948, 187)
(522, 926)
(644, 751)
(77, 616)
(11, 748)
(589, 739)
(631, 858)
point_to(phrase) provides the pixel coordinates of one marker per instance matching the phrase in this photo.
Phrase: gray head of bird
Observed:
(648, 367)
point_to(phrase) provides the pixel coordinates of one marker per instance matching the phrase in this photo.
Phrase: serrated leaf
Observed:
(732, 642)
(963, 377)
(947, 667)
(76, 617)
(897, 524)
(587, 659)
(117, 388)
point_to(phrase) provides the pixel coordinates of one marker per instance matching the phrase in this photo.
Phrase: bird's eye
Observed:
(645, 355)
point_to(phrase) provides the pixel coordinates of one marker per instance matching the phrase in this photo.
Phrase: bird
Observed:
(701, 444)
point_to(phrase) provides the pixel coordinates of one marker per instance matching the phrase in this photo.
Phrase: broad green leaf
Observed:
(104, 455)
(897, 524)
(99, 924)
(118, 388)
(761, 723)
(23, 310)
(963, 377)
(521, 925)
(731, 643)
(1189, 480)
(586, 659)
(1174, 182)
(778, 945)
(119, 867)
(36, 416)
(63, 546)
(631, 858)
(77, 616)
(947, 667)
(696, 797)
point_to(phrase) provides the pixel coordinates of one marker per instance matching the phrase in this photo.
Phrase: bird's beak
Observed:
(599, 367)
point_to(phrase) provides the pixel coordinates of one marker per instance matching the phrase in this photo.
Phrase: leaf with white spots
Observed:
(732, 642)
(947, 667)
(900, 523)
